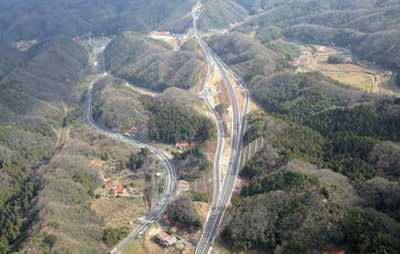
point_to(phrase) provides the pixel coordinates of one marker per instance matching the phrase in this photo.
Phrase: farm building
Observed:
(166, 240)
(185, 145)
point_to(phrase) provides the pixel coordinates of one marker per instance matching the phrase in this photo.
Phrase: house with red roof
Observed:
(118, 190)
(185, 145)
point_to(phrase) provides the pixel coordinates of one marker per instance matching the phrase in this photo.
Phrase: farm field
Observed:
(358, 80)
(351, 72)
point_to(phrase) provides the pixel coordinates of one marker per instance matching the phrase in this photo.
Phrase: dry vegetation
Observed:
(352, 73)
(152, 63)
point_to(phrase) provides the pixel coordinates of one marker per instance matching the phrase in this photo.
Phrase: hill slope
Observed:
(10, 58)
(33, 105)
(370, 28)
(312, 119)
(246, 56)
(152, 64)
(78, 17)
(220, 13)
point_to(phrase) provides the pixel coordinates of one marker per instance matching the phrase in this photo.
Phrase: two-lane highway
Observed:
(169, 169)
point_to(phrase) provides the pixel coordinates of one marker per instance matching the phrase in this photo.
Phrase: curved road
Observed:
(220, 129)
(170, 171)
(223, 194)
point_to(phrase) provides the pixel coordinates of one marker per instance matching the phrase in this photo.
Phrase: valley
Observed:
(201, 126)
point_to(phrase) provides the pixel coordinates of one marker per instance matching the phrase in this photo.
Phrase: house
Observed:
(185, 145)
(118, 190)
(166, 240)
(25, 44)
(159, 33)
(128, 132)
(389, 73)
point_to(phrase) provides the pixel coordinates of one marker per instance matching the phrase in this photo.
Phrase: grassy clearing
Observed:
(135, 247)
(357, 80)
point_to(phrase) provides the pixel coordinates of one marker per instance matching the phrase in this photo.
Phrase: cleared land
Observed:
(136, 246)
(350, 72)
(357, 80)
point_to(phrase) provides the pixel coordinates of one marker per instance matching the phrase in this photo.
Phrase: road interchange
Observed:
(222, 194)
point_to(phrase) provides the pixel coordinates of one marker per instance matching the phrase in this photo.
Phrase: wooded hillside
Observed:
(99, 17)
(34, 99)
(352, 136)
(153, 64)
(369, 28)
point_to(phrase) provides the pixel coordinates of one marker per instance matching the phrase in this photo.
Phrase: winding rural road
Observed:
(223, 195)
(170, 172)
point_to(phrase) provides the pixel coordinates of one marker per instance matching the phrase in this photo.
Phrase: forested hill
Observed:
(247, 56)
(218, 14)
(33, 106)
(26, 20)
(252, 58)
(10, 58)
(315, 123)
(329, 170)
(370, 28)
(153, 64)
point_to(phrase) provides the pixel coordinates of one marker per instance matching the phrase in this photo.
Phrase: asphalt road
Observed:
(238, 126)
(220, 129)
(169, 169)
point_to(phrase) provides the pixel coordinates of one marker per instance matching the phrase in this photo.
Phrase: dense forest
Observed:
(10, 58)
(350, 139)
(191, 163)
(252, 58)
(34, 93)
(219, 14)
(172, 123)
(80, 17)
(182, 212)
(369, 28)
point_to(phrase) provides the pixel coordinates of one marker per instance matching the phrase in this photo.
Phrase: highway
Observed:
(170, 172)
(220, 129)
(223, 194)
